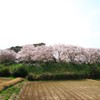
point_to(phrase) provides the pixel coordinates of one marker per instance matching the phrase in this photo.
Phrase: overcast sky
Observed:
(75, 22)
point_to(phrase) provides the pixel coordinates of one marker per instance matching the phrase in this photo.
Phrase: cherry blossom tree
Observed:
(7, 56)
(62, 53)
(43, 53)
(92, 55)
(66, 52)
(59, 52)
(26, 53)
(80, 59)
(30, 53)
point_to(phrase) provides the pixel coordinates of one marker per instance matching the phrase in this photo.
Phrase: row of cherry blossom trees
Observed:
(77, 54)
(58, 53)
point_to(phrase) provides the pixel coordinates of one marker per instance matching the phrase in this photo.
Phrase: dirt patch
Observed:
(61, 90)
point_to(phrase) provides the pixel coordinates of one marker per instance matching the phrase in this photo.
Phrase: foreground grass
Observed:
(11, 92)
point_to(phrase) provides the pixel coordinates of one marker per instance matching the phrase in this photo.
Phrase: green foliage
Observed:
(16, 48)
(46, 76)
(95, 72)
(51, 76)
(9, 63)
(58, 71)
(31, 77)
(7, 93)
(4, 72)
(39, 44)
(19, 72)
(39, 68)
(54, 70)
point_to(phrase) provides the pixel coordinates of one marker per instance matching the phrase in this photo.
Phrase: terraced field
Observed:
(4, 80)
(9, 88)
(61, 90)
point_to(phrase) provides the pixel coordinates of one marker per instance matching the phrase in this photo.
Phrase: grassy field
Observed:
(61, 90)
(9, 89)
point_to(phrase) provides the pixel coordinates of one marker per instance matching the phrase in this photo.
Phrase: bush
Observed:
(45, 76)
(4, 72)
(69, 76)
(50, 76)
(9, 63)
(31, 77)
(94, 72)
(20, 72)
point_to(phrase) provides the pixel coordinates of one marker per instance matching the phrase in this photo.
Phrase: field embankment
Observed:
(4, 85)
(10, 87)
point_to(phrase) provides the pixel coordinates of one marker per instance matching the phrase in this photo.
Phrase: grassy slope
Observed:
(54, 68)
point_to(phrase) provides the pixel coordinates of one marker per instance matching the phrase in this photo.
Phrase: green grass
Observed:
(58, 68)
(39, 68)
(7, 93)
(54, 68)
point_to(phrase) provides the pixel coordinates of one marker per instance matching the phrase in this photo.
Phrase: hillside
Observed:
(57, 62)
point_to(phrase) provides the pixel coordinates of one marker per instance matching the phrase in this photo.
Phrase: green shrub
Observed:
(45, 76)
(68, 76)
(94, 72)
(50, 76)
(9, 63)
(4, 72)
(31, 77)
(19, 72)
(51, 70)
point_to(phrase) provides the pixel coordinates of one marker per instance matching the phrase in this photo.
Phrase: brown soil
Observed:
(61, 90)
